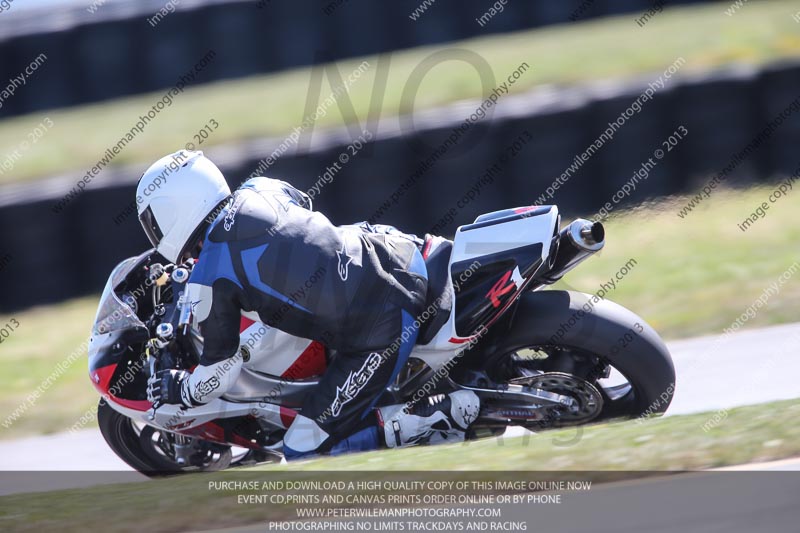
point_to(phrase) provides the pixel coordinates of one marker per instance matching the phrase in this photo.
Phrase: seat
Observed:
(439, 299)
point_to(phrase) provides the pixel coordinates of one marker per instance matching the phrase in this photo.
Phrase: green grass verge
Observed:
(748, 434)
(693, 276)
(274, 104)
(46, 337)
(699, 274)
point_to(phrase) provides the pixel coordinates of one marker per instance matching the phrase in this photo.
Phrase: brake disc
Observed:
(588, 400)
(163, 448)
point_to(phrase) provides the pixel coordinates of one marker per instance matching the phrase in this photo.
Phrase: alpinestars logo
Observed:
(441, 427)
(355, 382)
(230, 218)
(344, 261)
(204, 388)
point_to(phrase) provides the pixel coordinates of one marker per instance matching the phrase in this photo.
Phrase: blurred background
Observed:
(417, 113)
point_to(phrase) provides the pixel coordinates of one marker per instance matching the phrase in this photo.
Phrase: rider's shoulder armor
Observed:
(256, 208)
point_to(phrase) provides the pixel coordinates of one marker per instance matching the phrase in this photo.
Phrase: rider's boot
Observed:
(440, 418)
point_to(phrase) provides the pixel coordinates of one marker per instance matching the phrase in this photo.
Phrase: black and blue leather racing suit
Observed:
(357, 289)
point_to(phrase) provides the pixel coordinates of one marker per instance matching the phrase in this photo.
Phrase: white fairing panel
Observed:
(502, 236)
(474, 244)
(271, 350)
(176, 417)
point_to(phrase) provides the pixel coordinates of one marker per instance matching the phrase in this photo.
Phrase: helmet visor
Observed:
(151, 227)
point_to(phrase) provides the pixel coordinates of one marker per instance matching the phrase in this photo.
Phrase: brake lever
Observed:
(151, 414)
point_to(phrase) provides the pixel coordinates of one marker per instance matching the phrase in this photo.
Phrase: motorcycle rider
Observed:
(259, 245)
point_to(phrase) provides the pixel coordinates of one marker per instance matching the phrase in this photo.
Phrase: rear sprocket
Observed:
(587, 405)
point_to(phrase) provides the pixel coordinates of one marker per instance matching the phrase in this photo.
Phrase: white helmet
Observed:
(175, 197)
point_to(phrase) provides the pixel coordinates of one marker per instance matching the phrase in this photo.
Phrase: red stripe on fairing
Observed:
(245, 323)
(456, 340)
(136, 405)
(310, 363)
(426, 248)
(101, 379)
(287, 416)
(521, 210)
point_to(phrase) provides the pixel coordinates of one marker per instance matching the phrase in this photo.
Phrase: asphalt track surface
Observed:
(714, 372)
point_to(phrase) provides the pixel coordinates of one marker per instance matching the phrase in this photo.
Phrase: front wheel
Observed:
(606, 358)
(153, 452)
(123, 438)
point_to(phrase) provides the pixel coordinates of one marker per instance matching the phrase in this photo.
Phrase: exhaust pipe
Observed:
(587, 235)
(576, 242)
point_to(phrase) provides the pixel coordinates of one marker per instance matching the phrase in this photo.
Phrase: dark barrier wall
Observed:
(46, 257)
(110, 56)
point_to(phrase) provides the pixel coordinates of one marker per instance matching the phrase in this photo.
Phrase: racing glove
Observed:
(169, 387)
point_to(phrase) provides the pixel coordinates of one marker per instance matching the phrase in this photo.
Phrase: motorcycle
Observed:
(537, 358)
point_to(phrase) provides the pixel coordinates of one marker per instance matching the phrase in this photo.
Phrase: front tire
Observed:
(140, 449)
(121, 436)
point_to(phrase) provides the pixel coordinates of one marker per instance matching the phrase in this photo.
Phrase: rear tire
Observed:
(561, 319)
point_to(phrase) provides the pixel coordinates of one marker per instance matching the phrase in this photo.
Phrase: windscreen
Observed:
(113, 314)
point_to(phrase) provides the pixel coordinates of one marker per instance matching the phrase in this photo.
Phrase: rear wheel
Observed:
(586, 399)
(607, 361)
